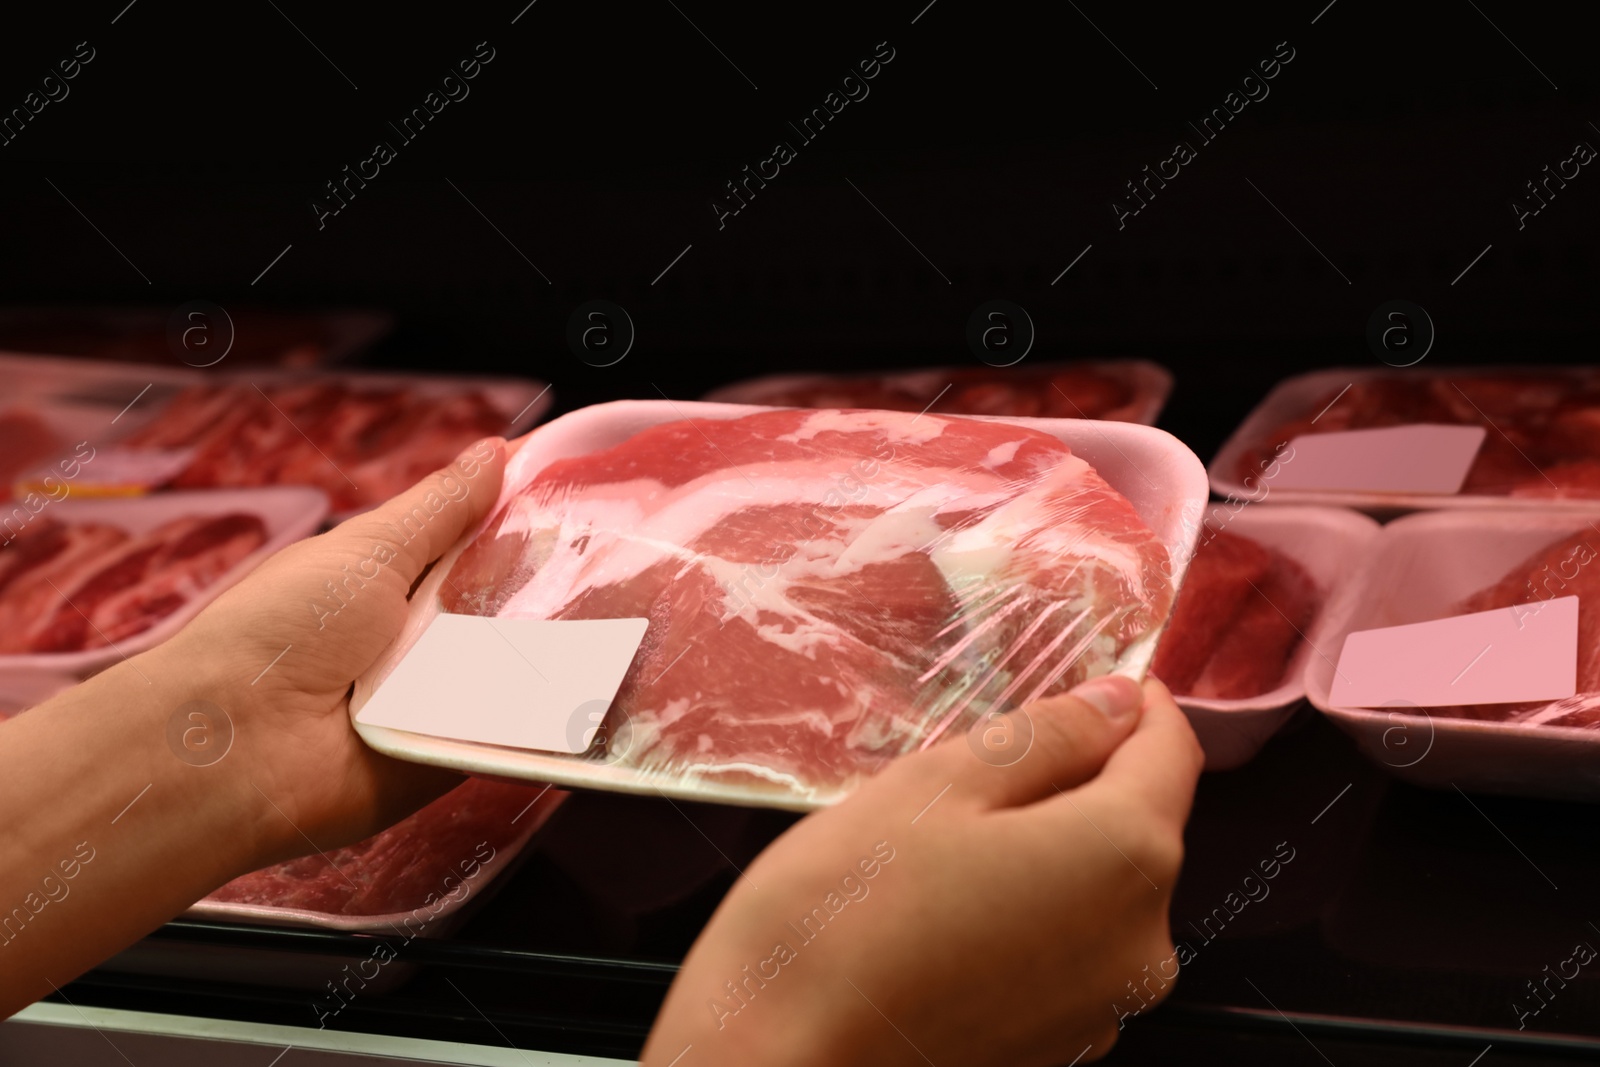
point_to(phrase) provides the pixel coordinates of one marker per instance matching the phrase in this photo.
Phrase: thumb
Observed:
(1059, 742)
(424, 521)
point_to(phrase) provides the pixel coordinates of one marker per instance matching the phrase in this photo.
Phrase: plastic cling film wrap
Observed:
(425, 867)
(1567, 566)
(825, 589)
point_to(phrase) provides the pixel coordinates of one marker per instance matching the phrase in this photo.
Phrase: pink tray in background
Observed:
(1418, 568)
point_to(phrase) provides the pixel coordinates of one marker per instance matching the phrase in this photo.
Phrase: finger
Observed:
(423, 522)
(1056, 743)
(1157, 768)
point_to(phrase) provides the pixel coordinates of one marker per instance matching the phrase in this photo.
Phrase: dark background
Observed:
(1395, 140)
(994, 142)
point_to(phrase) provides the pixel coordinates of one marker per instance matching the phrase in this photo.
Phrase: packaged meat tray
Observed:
(414, 878)
(825, 589)
(1250, 618)
(155, 335)
(361, 438)
(96, 386)
(1446, 563)
(431, 869)
(1127, 390)
(85, 582)
(1541, 446)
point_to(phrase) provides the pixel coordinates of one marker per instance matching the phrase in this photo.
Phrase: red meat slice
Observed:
(419, 863)
(191, 560)
(825, 589)
(1076, 393)
(1215, 586)
(1569, 566)
(36, 593)
(74, 587)
(1084, 394)
(38, 543)
(360, 445)
(1255, 649)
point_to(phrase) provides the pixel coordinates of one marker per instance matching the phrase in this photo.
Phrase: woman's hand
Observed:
(280, 650)
(953, 911)
(118, 824)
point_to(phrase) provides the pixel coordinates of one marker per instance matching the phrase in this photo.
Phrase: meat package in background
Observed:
(1569, 566)
(825, 589)
(360, 444)
(68, 587)
(435, 856)
(1237, 621)
(1130, 391)
(1542, 427)
(26, 441)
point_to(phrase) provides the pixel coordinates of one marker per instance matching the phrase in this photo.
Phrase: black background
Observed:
(1395, 141)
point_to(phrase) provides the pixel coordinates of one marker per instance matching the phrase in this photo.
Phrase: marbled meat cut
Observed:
(1065, 393)
(68, 587)
(825, 589)
(1237, 622)
(1543, 429)
(416, 864)
(361, 445)
(1564, 567)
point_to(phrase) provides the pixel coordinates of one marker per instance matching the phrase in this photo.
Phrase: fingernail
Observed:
(1112, 695)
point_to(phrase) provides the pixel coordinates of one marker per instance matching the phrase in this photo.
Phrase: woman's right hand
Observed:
(957, 912)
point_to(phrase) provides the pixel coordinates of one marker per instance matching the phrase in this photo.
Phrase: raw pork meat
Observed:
(826, 589)
(412, 865)
(1239, 618)
(1566, 567)
(25, 442)
(1543, 436)
(1070, 393)
(70, 587)
(359, 445)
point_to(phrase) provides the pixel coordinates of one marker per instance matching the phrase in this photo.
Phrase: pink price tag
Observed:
(1396, 459)
(1522, 653)
(541, 684)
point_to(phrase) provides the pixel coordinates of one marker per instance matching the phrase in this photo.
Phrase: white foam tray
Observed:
(1417, 569)
(1158, 474)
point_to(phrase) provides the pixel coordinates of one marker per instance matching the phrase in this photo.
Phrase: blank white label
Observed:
(1395, 459)
(1505, 656)
(524, 683)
